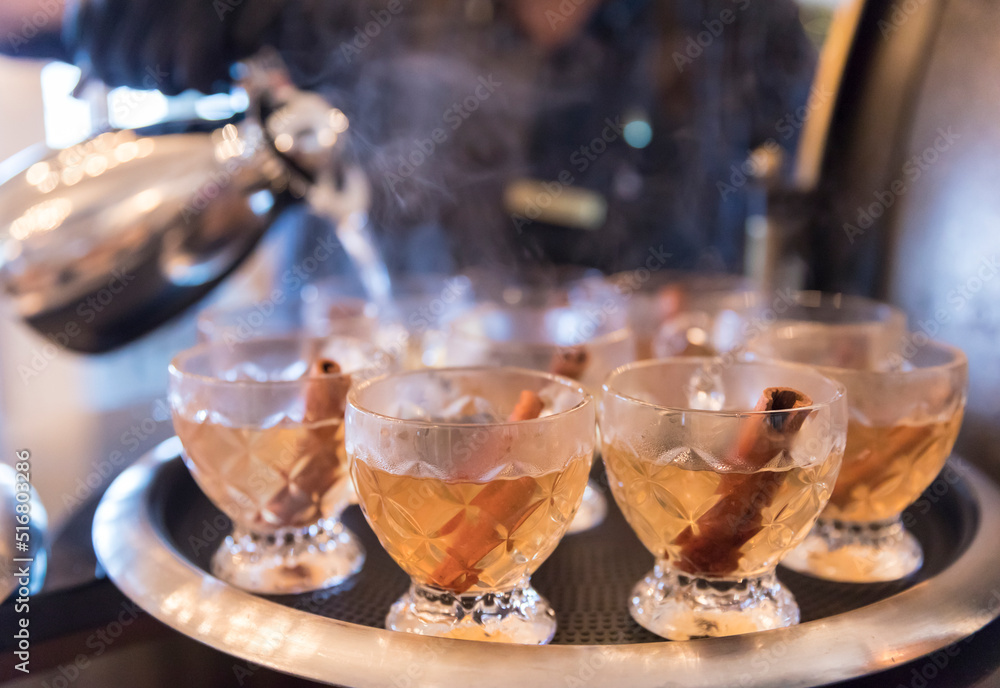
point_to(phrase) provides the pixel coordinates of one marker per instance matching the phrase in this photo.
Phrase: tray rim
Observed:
(144, 565)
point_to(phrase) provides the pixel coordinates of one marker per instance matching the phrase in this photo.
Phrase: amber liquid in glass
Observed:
(286, 476)
(667, 504)
(470, 537)
(887, 467)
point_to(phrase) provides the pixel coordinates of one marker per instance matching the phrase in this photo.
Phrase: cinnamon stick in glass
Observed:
(503, 502)
(866, 464)
(570, 361)
(315, 462)
(712, 547)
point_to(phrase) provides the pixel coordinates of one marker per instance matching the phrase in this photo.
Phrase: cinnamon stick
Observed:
(570, 361)
(865, 462)
(316, 456)
(326, 398)
(671, 299)
(528, 406)
(503, 503)
(712, 546)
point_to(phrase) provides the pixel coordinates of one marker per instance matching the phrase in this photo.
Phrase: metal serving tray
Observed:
(155, 531)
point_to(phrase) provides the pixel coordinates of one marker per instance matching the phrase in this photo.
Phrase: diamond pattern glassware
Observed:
(580, 341)
(662, 303)
(468, 496)
(906, 404)
(316, 314)
(705, 322)
(261, 423)
(719, 496)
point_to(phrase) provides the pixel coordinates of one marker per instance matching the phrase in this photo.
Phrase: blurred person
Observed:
(606, 133)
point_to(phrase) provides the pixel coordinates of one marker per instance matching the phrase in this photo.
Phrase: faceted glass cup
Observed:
(849, 331)
(261, 423)
(413, 326)
(905, 414)
(466, 498)
(652, 299)
(333, 314)
(240, 323)
(707, 323)
(323, 316)
(580, 342)
(719, 497)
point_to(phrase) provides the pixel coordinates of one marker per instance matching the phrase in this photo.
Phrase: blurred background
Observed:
(883, 183)
(97, 413)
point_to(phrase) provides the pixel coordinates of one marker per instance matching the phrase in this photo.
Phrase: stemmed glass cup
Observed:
(469, 477)
(905, 413)
(261, 423)
(719, 496)
(583, 343)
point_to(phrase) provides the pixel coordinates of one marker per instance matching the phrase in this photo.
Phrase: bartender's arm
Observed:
(184, 44)
(178, 44)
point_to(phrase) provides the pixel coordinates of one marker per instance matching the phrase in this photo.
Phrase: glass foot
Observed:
(519, 616)
(291, 560)
(592, 511)
(680, 607)
(857, 552)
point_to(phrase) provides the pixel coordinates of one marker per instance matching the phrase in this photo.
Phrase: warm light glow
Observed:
(126, 151)
(104, 142)
(37, 173)
(228, 143)
(95, 165)
(697, 336)
(40, 218)
(147, 200)
(50, 183)
(338, 121)
(326, 137)
(71, 156)
(283, 142)
(72, 175)
(144, 147)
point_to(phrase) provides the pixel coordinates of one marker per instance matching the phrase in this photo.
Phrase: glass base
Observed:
(519, 616)
(290, 560)
(857, 552)
(677, 606)
(592, 511)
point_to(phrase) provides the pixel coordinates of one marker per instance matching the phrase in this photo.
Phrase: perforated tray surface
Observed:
(587, 579)
(154, 533)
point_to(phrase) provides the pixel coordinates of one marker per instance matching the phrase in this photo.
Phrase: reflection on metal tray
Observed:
(155, 533)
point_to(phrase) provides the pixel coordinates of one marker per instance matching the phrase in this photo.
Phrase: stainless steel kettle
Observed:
(103, 241)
